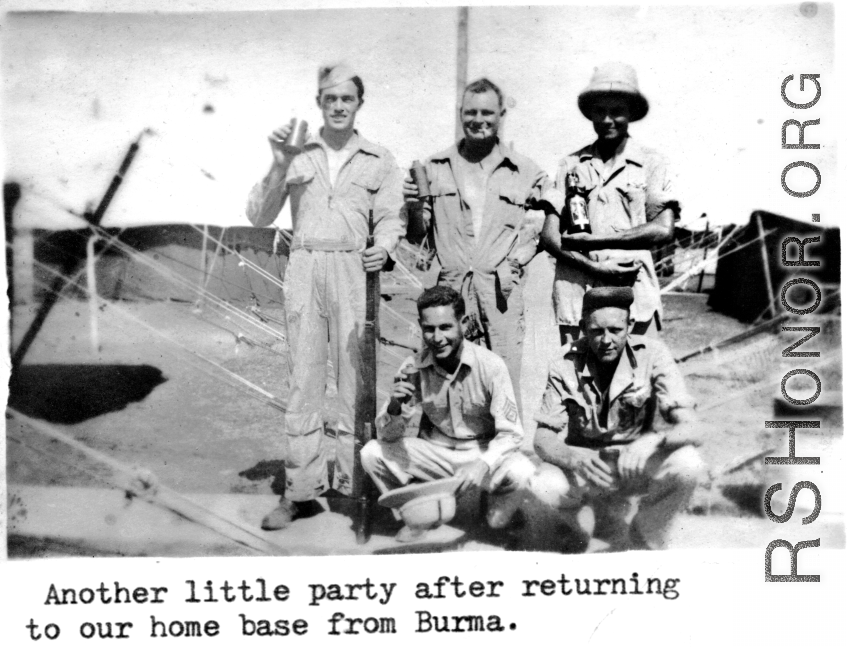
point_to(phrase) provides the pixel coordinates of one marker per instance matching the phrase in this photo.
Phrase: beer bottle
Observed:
(576, 206)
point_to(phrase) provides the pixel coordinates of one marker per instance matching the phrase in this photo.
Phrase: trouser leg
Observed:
(506, 332)
(346, 306)
(398, 463)
(304, 450)
(673, 479)
(555, 489)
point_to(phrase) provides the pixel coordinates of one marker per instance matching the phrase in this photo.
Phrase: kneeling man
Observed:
(603, 445)
(469, 424)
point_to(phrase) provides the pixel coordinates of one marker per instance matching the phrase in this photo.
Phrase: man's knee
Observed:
(371, 456)
(550, 486)
(686, 466)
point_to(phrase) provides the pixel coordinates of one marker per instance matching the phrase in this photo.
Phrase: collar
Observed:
(451, 154)
(579, 353)
(632, 153)
(467, 357)
(357, 143)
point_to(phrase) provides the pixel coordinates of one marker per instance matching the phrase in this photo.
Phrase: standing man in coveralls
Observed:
(333, 184)
(481, 190)
(630, 202)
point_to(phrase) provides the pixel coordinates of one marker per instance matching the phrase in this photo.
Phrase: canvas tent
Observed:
(218, 267)
(741, 289)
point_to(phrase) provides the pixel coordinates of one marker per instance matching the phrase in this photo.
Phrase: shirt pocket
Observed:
(579, 418)
(364, 185)
(633, 406)
(512, 203)
(633, 193)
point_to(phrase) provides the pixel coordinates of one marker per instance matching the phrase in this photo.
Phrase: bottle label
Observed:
(578, 213)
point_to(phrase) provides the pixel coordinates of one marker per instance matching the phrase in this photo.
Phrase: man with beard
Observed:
(477, 220)
(630, 205)
(601, 439)
(333, 184)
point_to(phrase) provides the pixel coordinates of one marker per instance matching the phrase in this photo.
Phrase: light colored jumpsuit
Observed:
(324, 292)
(488, 270)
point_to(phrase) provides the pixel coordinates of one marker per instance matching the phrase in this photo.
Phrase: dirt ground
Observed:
(155, 394)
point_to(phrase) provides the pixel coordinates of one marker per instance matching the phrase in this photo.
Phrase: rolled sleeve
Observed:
(553, 412)
(661, 191)
(668, 384)
(507, 422)
(554, 192)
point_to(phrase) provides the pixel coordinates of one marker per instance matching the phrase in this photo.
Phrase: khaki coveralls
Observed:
(487, 271)
(324, 291)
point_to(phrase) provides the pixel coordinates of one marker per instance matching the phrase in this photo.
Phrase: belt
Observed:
(325, 245)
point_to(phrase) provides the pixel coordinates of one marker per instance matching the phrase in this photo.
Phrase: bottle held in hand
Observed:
(409, 375)
(576, 206)
(418, 172)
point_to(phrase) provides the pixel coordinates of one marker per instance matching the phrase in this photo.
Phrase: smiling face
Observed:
(610, 115)
(443, 332)
(481, 114)
(607, 330)
(339, 105)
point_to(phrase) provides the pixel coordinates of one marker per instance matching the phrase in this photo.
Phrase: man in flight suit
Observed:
(478, 221)
(333, 185)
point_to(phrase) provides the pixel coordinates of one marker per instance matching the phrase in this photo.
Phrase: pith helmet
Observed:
(618, 79)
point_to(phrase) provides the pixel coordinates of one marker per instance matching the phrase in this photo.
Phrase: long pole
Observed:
(363, 488)
(59, 282)
(461, 65)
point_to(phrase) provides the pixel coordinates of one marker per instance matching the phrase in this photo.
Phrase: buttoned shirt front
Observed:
(335, 216)
(632, 190)
(474, 407)
(508, 238)
(645, 382)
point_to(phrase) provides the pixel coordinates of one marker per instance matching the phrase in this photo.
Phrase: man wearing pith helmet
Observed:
(630, 202)
(337, 179)
(616, 424)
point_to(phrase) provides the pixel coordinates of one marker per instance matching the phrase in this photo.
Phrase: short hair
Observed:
(484, 85)
(441, 295)
(360, 88)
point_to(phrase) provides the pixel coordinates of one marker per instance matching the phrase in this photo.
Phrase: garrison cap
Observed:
(607, 297)
(330, 75)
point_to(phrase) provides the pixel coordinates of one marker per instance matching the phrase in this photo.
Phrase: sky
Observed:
(206, 88)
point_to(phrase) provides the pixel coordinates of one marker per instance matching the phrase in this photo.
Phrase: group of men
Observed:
(604, 460)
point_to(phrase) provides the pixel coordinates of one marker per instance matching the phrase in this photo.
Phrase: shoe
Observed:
(408, 535)
(288, 511)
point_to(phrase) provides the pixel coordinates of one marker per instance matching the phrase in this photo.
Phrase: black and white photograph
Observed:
(424, 285)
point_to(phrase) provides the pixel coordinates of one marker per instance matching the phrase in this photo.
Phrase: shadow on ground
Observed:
(72, 393)
(262, 470)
